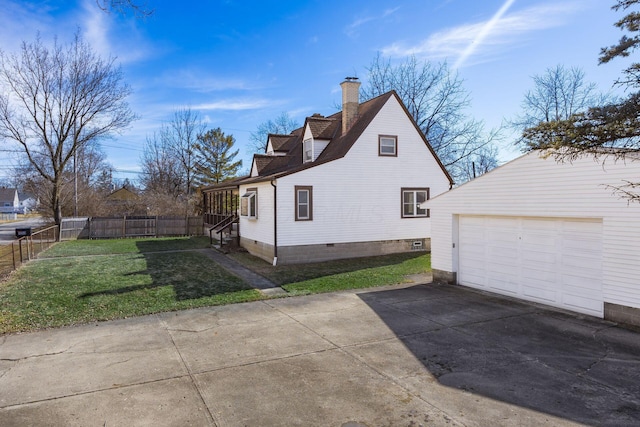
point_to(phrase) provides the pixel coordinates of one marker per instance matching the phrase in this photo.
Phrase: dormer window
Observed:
(307, 147)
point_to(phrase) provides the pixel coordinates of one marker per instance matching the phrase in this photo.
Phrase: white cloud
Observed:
(234, 105)
(497, 33)
(484, 32)
(352, 29)
(111, 35)
(20, 21)
(95, 27)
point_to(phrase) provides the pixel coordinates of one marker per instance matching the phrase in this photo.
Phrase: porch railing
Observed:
(224, 223)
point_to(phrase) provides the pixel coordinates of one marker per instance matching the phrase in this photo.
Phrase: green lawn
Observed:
(340, 274)
(125, 246)
(62, 291)
(91, 280)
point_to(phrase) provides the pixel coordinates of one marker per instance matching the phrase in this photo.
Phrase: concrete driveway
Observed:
(399, 356)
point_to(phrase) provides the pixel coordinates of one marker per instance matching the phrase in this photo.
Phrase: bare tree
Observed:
(557, 94)
(57, 101)
(89, 182)
(437, 102)
(160, 168)
(480, 162)
(282, 125)
(604, 131)
(181, 135)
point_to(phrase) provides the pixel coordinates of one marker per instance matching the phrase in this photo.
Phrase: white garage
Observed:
(552, 261)
(546, 232)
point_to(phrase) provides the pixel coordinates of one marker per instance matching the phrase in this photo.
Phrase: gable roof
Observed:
(122, 194)
(280, 142)
(322, 127)
(8, 194)
(326, 128)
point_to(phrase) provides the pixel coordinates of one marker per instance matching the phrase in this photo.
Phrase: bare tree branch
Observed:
(60, 100)
(437, 101)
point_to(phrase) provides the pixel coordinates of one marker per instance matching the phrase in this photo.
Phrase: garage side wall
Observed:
(542, 188)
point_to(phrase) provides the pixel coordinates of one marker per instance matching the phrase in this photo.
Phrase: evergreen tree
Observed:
(214, 158)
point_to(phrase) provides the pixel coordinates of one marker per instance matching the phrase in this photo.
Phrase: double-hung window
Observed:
(304, 203)
(413, 202)
(249, 203)
(307, 146)
(387, 145)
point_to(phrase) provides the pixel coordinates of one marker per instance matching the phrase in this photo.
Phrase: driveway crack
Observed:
(33, 356)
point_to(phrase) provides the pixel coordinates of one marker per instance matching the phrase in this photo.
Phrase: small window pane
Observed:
(248, 204)
(421, 197)
(308, 150)
(244, 206)
(408, 209)
(303, 211)
(408, 197)
(303, 196)
(387, 146)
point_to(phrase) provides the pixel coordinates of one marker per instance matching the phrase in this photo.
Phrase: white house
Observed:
(554, 233)
(9, 201)
(28, 202)
(347, 185)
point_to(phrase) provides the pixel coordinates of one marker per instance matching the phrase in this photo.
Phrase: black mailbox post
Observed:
(23, 232)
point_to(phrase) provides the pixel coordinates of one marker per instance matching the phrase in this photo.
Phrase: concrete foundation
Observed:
(257, 248)
(327, 252)
(622, 314)
(442, 276)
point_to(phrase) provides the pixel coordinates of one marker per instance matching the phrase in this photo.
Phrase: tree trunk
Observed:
(56, 204)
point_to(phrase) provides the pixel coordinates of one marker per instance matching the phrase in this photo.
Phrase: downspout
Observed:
(275, 222)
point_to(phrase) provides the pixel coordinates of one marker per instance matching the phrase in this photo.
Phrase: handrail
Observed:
(221, 225)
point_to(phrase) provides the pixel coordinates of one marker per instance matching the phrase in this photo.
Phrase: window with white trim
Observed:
(307, 147)
(304, 203)
(413, 202)
(387, 145)
(249, 203)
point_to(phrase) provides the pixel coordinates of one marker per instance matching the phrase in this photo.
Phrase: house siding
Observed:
(368, 185)
(259, 230)
(534, 187)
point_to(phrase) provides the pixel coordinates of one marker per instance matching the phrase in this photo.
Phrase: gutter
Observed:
(275, 222)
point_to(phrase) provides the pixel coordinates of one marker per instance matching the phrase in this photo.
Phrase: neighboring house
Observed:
(549, 232)
(28, 202)
(9, 200)
(348, 185)
(124, 202)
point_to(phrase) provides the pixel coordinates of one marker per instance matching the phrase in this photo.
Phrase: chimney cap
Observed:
(351, 79)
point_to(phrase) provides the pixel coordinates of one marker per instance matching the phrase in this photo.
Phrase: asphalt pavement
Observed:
(8, 229)
(418, 355)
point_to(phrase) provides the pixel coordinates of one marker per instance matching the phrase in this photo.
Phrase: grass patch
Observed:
(134, 277)
(125, 246)
(64, 291)
(340, 274)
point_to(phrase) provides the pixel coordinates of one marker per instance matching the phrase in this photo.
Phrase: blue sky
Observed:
(240, 63)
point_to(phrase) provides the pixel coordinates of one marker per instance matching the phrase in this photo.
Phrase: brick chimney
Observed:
(350, 101)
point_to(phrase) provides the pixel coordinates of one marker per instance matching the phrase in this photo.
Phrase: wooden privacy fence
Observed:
(130, 226)
(26, 248)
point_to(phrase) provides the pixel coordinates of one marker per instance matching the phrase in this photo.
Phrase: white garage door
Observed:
(552, 261)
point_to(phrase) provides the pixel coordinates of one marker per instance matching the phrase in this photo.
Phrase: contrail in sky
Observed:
(484, 32)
